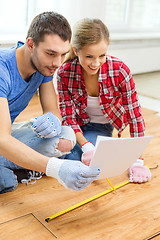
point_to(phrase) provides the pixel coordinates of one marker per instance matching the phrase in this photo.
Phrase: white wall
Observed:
(141, 54)
(139, 60)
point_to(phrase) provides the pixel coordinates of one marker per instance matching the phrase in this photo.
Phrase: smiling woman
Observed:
(97, 93)
(92, 57)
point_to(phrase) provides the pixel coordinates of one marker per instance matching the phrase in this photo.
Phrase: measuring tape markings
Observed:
(85, 201)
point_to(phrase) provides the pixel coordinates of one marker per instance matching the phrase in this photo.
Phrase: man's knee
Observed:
(65, 145)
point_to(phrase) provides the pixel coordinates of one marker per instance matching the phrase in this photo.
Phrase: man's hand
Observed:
(46, 125)
(71, 174)
(139, 173)
(88, 150)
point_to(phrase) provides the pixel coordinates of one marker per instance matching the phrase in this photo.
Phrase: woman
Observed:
(97, 93)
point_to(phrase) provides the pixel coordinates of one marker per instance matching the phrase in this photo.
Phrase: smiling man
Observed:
(36, 144)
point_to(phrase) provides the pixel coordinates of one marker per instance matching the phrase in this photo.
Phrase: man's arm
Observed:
(26, 157)
(15, 150)
(48, 99)
(48, 124)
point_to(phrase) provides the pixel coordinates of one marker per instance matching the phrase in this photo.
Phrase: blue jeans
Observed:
(47, 147)
(90, 132)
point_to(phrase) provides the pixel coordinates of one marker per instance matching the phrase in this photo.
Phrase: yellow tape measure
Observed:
(86, 201)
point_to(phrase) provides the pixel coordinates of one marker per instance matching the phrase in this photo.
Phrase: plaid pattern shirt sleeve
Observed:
(130, 103)
(66, 103)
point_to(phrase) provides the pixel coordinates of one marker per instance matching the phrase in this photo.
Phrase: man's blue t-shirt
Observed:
(12, 86)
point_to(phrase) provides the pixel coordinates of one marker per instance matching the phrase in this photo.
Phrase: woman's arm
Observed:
(130, 103)
(81, 140)
(66, 104)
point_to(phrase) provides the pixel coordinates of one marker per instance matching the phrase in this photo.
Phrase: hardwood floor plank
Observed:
(25, 227)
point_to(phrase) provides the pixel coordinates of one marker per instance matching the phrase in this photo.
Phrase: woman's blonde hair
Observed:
(87, 31)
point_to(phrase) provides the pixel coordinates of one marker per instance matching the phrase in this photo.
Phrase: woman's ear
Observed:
(75, 51)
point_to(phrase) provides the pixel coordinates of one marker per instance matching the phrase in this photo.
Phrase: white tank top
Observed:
(94, 111)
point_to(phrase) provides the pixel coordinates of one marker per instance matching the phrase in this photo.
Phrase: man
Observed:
(23, 69)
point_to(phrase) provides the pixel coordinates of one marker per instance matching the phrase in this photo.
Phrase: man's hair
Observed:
(49, 23)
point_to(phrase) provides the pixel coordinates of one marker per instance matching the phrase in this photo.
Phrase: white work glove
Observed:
(46, 125)
(88, 150)
(73, 175)
(139, 173)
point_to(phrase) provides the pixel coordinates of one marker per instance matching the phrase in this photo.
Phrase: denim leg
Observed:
(90, 132)
(75, 153)
(45, 146)
(48, 147)
(8, 180)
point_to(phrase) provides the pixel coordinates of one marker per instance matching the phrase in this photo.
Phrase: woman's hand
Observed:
(88, 151)
(138, 173)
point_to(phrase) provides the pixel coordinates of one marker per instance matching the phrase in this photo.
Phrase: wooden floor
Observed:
(148, 84)
(130, 213)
